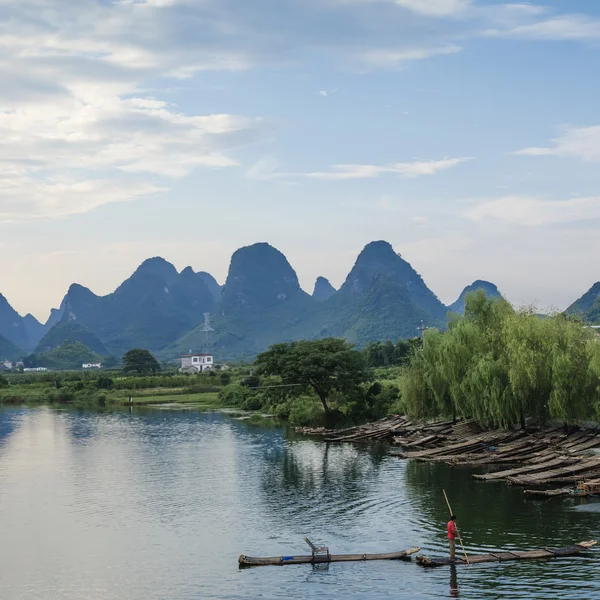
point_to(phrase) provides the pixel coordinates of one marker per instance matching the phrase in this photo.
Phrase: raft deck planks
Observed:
(425, 561)
(251, 561)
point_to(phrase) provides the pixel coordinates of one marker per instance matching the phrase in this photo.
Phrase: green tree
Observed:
(140, 361)
(3, 382)
(104, 382)
(328, 366)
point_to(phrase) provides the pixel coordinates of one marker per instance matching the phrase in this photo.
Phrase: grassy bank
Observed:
(105, 389)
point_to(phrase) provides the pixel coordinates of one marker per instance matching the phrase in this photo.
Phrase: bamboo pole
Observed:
(457, 530)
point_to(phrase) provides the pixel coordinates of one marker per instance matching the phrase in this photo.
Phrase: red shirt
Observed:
(451, 530)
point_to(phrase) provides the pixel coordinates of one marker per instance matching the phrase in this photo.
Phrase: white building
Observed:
(196, 363)
(91, 366)
(35, 370)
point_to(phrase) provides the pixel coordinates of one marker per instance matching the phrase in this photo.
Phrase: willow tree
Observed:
(434, 374)
(574, 384)
(528, 342)
(417, 398)
(475, 362)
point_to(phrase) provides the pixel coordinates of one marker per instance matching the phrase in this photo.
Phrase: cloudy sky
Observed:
(465, 132)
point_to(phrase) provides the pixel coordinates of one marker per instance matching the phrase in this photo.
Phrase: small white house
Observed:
(91, 366)
(196, 363)
(35, 370)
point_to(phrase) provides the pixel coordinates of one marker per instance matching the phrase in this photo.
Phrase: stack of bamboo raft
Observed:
(535, 459)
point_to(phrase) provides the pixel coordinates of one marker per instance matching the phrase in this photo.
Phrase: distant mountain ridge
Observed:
(490, 290)
(261, 303)
(588, 306)
(8, 351)
(149, 309)
(12, 327)
(323, 289)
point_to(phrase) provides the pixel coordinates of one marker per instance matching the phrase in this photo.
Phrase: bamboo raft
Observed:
(318, 558)
(547, 553)
(535, 458)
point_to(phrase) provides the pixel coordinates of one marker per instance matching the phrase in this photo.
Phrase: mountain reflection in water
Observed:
(152, 504)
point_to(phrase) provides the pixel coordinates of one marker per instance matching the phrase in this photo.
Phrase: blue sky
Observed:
(466, 133)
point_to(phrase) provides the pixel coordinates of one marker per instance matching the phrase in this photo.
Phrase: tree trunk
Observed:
(323, 400)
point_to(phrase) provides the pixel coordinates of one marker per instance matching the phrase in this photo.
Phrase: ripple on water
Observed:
(159, 504)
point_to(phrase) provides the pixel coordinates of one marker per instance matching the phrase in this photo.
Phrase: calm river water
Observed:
(159, 504)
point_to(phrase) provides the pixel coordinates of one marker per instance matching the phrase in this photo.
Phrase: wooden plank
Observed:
(547, 553)
(526, 469)
(253, 561)
(583, 465)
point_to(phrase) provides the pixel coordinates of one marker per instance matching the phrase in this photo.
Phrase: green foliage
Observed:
(104, 382)
(3, 381)
(500, 366)
(252, 381)
(328, 366)
(140, 361)
(69, 355)
(70, 331)
(387, 354)
(225, 378)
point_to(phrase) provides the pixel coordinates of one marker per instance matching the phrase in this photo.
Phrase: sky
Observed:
(464, 132)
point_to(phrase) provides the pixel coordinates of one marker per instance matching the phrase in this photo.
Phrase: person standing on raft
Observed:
(452, 533)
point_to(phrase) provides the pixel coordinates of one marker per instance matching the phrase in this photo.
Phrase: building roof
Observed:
(198, 354)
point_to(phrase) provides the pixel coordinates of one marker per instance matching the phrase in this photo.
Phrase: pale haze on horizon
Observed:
(464, 132)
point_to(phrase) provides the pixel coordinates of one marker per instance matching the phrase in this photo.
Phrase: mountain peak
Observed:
(157, 266)
(187, 272)
(378, 250)
(377, 260)
(323, 289)
(259, 276)
(490, 290)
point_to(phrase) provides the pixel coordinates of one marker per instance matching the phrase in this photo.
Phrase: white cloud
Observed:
(533, 212)
(74, 121)
(562, 27)
(385, 58)
(24, 198)
(582, 143)
(435, 8)
(264, 169)
(407, 169)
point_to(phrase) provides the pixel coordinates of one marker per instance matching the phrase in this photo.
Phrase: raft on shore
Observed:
(252, 561)
(425, 561)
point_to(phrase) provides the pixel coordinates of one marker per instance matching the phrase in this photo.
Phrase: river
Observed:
(159, 503)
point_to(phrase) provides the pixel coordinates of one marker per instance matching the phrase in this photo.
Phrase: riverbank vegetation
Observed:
(501, 366)
(108, 388)
(495, 364)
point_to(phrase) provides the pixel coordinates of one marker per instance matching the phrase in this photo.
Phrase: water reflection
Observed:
(154, 504)
(453, 582)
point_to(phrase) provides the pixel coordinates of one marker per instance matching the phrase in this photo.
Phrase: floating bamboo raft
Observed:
(547, 553)
(251, 561)
(533, 458)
